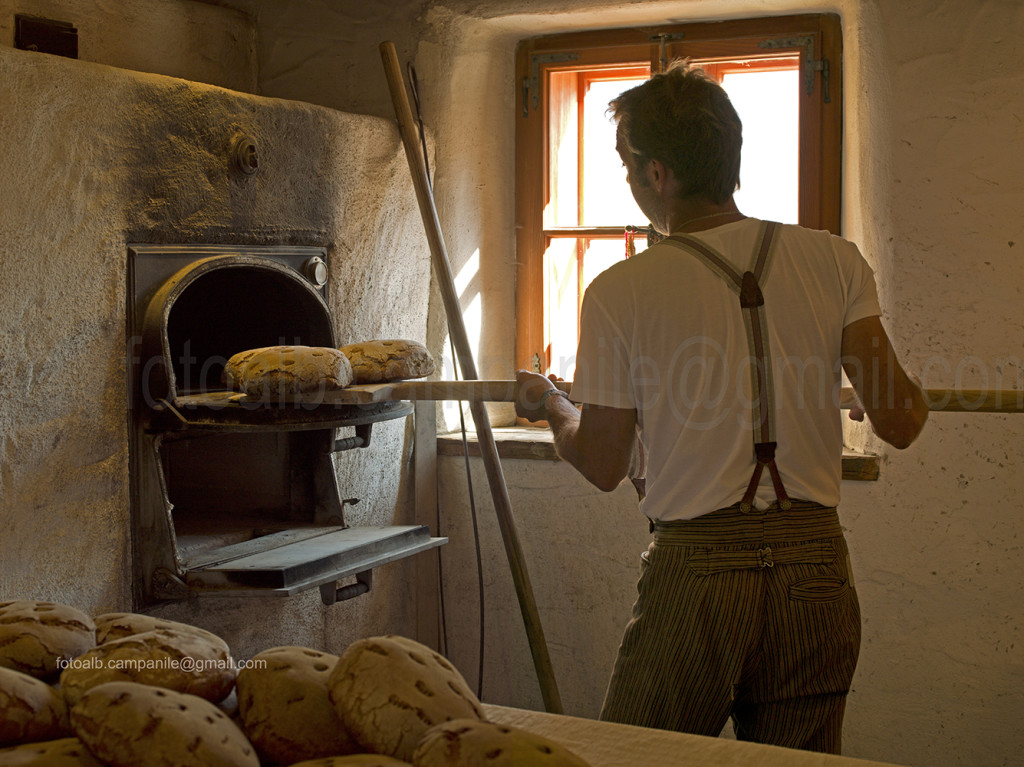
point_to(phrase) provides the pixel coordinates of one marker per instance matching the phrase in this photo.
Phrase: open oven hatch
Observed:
(232, 497)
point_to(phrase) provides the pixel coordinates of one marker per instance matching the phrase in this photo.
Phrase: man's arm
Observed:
(894, 404)
(598, 442)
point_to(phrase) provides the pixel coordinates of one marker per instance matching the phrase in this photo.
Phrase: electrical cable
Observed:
(414, 87)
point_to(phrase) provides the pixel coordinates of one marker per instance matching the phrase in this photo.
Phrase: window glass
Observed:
(606, 196)
(561, 305)
(563, 151)
(768, 105)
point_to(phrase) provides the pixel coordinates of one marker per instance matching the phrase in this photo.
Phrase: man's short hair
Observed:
(683, 118)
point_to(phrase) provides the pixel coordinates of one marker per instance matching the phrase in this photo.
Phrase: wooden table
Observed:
(603, 744)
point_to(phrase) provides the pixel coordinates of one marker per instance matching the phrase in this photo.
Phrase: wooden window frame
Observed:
(817, 37)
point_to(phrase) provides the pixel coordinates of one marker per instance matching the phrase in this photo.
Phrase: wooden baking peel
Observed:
(464, 353)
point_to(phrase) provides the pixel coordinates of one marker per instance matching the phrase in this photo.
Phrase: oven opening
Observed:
(231, 310)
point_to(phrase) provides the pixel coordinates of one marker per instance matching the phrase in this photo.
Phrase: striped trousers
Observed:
(749, 615)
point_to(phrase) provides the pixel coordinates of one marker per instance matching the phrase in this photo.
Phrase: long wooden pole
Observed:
(939, 400)
(961, 400)
(463, 350)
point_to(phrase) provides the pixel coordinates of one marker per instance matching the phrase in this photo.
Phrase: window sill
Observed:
(533, 444)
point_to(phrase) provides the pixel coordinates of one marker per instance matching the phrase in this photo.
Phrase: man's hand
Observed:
(893, 401)
(857, 411)
(598, 441)
(531, 387)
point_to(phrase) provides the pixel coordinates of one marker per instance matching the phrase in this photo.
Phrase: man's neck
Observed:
(697, 215)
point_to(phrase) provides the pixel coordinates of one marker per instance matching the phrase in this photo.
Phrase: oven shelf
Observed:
(290, 561)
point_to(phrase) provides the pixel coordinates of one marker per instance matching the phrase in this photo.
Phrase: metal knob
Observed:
(315, 270)
(243, 151)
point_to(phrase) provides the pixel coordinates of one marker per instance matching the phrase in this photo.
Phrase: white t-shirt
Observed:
(662, 333)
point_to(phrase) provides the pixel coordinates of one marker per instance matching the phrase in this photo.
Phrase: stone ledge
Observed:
(536, 445)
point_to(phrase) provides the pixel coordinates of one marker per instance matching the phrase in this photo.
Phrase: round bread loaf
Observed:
(176, 660)
(472, 743)
(355, 760)
(127, 724)
(390, 360)
(284, 707)
(390, 690)
(275, 373)
(36, 637)
(30, 710)
(111, 626)
(63, 752)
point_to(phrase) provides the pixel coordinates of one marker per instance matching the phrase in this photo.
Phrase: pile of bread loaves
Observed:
(129, 690)
(286, 371)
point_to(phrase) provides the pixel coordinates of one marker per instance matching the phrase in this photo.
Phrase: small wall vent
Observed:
(32, 33)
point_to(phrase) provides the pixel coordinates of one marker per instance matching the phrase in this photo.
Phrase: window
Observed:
(573, 207)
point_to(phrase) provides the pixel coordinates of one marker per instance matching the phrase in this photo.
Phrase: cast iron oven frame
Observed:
(259, 511)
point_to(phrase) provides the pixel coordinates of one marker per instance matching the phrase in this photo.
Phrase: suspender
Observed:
(748, 287)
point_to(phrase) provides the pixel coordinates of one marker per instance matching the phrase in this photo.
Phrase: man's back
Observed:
(664, 334)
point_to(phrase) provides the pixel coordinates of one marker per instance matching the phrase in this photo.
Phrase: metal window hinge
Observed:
(662, 40)
(810, 64)
(531, 84)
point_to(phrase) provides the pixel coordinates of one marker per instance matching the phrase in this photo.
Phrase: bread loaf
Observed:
(127, 724)
(276, 373)
(62, 752)
(388, 691)
(111, 626)
(36, 637)
(284, 707)
(390, 360)
(30, 710)
(176, 660)
(355, 760)
(472, 743)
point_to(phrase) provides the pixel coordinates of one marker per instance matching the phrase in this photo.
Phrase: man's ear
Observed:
(657, 173)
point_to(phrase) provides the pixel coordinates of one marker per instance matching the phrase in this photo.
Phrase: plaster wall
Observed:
(189, 39)
(932, 194)
(97, 157)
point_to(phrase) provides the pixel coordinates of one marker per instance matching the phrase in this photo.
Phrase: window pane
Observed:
(564, 292)
(606, 197)
(600, 254)
(768, 105)
(561, 304)
(563, 147)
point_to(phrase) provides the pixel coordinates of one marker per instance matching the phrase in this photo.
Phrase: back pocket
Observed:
(820, 588)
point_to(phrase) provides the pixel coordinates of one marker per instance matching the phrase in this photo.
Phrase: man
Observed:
(724, 344)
